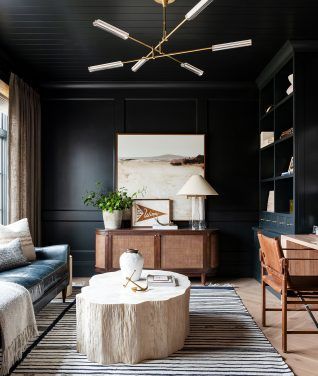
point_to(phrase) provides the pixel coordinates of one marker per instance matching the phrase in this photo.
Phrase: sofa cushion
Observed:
(37, 277)
(11, 256)
(19, 229)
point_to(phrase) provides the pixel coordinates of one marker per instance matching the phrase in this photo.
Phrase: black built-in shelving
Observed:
(277, 113)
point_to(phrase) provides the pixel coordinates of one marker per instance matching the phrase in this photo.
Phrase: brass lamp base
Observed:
(164, 3)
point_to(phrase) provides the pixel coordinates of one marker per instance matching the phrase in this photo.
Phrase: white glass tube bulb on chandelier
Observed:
(111, 29)
(193, 69)
(115, 64)
(139, 64)
(197, 9)
(228, 46)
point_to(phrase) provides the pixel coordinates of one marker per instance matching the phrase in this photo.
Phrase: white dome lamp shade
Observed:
(197, 188)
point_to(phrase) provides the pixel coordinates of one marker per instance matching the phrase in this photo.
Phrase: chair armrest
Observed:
(53, 252)
(301, 259)
(299, 249)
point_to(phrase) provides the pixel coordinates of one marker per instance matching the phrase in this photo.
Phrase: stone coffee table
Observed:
(116, 325)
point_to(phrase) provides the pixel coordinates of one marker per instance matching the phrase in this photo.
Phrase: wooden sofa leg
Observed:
(263, 303)
(64, 291)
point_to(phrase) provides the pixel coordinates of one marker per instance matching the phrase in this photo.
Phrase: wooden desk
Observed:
(301, 247)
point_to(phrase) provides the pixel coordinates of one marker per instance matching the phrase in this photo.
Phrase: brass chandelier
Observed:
(157, 52)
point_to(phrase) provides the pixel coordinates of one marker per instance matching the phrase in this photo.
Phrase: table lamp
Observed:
(197, 188)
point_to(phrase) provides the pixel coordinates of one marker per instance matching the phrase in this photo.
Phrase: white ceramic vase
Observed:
(131, 260)
(112, 220)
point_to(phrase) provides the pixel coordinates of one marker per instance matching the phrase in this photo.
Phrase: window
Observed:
(4, 106)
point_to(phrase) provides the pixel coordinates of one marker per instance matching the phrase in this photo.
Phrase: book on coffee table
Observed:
(161, 280)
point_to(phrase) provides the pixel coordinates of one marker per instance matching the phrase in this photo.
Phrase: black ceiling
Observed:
(55, 39)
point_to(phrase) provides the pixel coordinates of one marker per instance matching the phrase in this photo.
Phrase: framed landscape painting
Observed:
(160, 164)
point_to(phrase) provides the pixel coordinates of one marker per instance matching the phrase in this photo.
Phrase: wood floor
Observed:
(302, 356)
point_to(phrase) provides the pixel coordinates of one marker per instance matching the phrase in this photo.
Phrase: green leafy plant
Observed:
(111, 201)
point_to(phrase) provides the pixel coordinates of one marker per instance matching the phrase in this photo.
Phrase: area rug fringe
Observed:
(14, 351)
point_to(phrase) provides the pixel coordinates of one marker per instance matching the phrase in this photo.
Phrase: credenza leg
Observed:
(203, 278)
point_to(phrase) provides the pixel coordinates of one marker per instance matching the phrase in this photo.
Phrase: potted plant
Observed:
(112, 204)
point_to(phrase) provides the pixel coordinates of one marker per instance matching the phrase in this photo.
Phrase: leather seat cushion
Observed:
(37, 277)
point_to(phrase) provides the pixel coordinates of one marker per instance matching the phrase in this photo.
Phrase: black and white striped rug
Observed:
(223, 340)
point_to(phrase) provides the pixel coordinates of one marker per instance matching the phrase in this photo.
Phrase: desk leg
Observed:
(203, 279)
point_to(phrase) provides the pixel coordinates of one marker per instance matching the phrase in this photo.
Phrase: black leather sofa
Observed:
(45, 277)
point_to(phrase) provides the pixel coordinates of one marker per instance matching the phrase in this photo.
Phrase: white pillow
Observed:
(19, 229)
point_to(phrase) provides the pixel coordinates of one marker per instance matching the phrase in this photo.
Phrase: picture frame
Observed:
(159, 164)
(145, 212)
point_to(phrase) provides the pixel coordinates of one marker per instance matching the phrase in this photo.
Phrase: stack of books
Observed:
(161, 280)
(165, 227)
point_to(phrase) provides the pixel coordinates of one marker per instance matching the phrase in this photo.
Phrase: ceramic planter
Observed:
(112, 220)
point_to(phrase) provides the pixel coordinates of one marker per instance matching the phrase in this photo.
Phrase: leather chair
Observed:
(275, 273)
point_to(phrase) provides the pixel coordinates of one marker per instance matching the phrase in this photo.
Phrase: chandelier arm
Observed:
(164, 39)
(244, 43)
(171, 54)
(176, 60)
(171, 32)
(213, 48)
(158, 46)
(151, 48)
(168, 55)
(140, 42)
(148, 58)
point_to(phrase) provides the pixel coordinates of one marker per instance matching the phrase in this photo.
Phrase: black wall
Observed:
(79, 127)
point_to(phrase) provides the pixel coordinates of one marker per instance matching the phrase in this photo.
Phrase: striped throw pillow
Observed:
(20, 230)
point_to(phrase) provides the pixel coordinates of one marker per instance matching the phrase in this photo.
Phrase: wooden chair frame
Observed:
(284, 277)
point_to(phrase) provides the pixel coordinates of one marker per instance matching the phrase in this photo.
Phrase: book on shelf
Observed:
(161, 280)
(266, 138)
(271, 202)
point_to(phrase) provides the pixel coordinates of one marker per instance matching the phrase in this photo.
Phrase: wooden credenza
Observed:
(193, 253)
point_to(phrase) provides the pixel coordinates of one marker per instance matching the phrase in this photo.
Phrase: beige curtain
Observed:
(24, 136)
